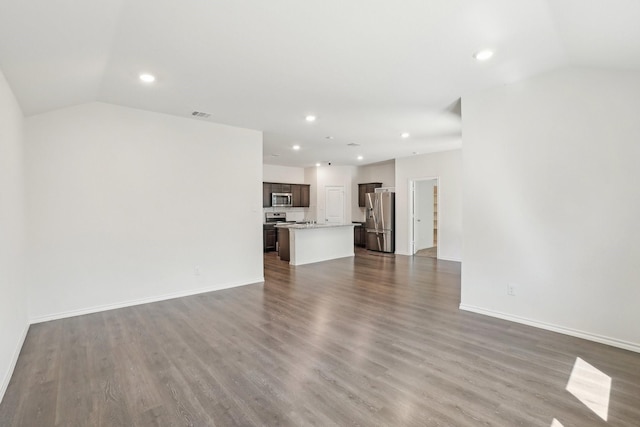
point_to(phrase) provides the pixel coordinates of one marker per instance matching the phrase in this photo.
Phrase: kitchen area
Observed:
(300, 235)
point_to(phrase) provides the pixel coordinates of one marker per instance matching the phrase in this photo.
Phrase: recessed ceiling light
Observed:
(318, 165)
(405, 135)
(414, 153)
(296, 147)
(147, 78)
(360, 157)
(310, 118)
(483, 55)
(328, 137)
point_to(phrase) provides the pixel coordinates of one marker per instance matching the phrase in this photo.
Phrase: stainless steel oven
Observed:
(282, 200)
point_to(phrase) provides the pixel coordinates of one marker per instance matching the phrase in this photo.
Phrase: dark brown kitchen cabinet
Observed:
(300, 195)
(266, 194)
(359, 234)
(283, 247)
(295, 192)
(270, 237)
(369, 187)
(305, 195)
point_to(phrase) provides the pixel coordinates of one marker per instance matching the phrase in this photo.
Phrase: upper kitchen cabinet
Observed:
(266, 194)
(295, 193)
(276, 188)
(300, 193)
(305, 195)
(363, 189)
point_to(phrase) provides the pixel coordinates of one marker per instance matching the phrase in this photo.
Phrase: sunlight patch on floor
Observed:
(591, 386)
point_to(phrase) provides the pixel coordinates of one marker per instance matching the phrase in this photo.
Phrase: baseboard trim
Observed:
(449, 259)
(140, 301)
(440, 258)
(614, 342)
(14, 360)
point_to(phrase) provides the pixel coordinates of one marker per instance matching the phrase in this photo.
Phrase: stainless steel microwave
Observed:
(282, 200)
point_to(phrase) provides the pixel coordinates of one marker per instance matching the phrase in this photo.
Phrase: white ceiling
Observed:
(369, 69)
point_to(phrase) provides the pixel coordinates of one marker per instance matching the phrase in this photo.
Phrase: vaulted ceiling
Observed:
(368, 69)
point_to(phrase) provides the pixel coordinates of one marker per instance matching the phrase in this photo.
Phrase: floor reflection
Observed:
(590, 386)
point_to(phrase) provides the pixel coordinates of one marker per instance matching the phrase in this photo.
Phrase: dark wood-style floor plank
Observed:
(375, 340)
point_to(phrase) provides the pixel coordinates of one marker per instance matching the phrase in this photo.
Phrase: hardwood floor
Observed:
(428, 252)
(374, 340)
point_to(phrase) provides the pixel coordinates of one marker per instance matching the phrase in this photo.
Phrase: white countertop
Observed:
(312, 226)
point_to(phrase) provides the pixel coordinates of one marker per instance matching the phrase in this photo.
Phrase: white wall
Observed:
(13, 294)
(349, 177)
(447, 166)
(331, 176)
(551, 203)
(311, 178)
(126, 206)
(384, 172)
(286, 174)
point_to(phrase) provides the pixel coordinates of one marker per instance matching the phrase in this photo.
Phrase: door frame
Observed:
(412, 202)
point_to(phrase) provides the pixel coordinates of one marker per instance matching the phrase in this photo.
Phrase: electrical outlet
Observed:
(511, 289)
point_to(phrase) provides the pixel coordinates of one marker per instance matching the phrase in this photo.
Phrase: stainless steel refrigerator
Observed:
(380, 221)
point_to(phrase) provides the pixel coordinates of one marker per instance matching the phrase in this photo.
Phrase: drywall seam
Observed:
(173, 295)
(626, 345)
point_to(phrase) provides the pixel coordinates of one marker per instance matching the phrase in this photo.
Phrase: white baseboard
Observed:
(614, 342)
(105, 307)
(439, 257)
(449, 259)
(14, 360)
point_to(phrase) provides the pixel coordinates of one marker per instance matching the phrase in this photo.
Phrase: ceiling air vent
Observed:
(353, 144)
(201, 115)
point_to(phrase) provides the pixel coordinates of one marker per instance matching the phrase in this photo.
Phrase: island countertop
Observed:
(311, 226)
(308, 243)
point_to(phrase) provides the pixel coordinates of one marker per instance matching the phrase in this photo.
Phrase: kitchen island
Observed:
(308, 243)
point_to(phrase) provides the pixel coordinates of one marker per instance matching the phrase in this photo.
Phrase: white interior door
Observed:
(334, 205)
(423, 214)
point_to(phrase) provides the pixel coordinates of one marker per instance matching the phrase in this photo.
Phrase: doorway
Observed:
(334, 204)
(425, 217)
